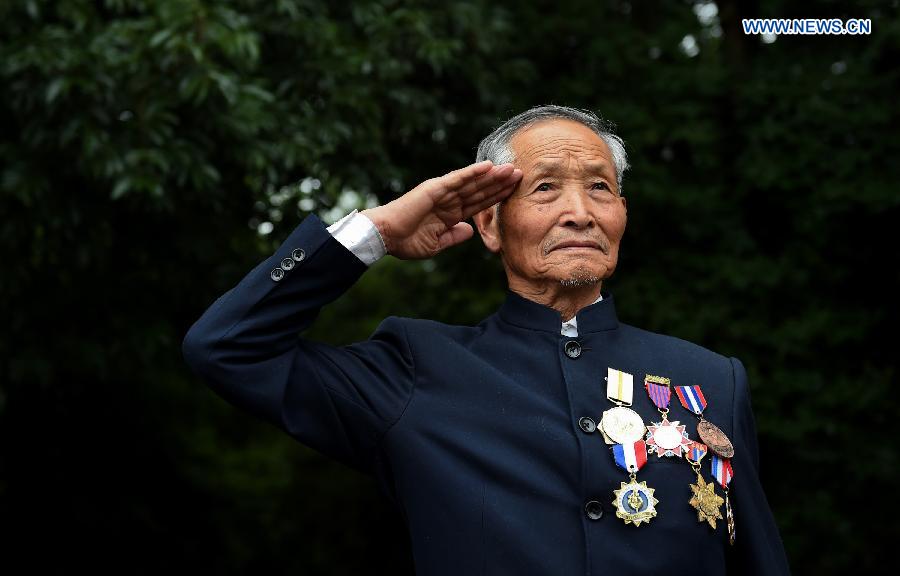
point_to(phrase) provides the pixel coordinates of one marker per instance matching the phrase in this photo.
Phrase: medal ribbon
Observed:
(660, 394)
(691, 398)
(619, 386)
(722, 471)
(631, 457)
(696, 452)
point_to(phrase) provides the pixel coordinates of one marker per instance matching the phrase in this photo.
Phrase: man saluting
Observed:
(549, 439)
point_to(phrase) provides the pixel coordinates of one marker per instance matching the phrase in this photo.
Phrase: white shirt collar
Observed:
(570, 327)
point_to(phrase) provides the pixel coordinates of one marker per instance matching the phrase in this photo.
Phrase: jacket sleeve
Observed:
(758, 548)
(247, 348)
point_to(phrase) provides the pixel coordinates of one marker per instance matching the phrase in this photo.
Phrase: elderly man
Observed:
(549, 439)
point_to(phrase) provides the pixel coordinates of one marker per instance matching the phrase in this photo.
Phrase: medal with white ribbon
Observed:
(703, 498)
(620, 425)
(634, 501)
(692, 399)
(723, 473)
(664, 438)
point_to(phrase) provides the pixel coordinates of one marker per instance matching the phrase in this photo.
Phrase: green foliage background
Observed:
(154, 151)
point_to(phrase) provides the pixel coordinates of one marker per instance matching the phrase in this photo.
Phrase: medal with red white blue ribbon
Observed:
(664, 438)
(692, 399)
(723, 473)
(703, 498)
(634, 501)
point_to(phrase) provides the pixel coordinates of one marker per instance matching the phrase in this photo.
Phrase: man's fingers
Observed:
(459, 232)
(474, 190)
(490, 195)
(459, 178)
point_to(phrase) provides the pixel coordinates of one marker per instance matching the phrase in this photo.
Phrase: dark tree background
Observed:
(154, 151)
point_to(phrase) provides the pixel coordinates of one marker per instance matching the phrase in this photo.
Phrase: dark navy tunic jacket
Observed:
(473, 430)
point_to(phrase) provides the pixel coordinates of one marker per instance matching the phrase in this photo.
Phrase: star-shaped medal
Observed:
(706, 501)
(635, 502)
(667, 438)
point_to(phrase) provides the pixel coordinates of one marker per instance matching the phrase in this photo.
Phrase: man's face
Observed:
(568, 194)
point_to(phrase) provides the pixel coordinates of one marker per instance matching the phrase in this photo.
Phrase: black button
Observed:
(277, 274)
(594, 510)
(287, 264)
(298, 254)
(573, 349)
(587, 424)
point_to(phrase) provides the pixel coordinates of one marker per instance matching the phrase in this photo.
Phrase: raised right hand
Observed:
(429, 218)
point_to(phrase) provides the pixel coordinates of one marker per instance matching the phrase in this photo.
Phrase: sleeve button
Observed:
(287, 264)
(277, 274)
(298, 254)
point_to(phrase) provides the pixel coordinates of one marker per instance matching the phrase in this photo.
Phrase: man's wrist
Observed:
(375, 217)
(360, 236)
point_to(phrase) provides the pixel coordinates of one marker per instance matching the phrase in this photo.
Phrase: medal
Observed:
(634, 501)
(704, 498)
(620, 425)
(692, 399)
(723, 473)
(667, 438)
(664, 438)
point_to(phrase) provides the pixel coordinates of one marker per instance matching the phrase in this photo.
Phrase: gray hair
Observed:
(495, 146)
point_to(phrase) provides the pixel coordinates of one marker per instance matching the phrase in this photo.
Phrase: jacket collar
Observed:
(520, 311)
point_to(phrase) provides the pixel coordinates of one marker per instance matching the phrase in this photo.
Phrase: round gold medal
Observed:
(623, 425)
(713, 437)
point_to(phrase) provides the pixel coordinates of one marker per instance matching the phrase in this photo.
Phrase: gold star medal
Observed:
(634, 501)
(620, 425)
(704, 498)
(664, 438)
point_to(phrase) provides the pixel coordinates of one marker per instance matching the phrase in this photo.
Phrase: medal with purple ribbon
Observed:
(634, 501)
(664, 438)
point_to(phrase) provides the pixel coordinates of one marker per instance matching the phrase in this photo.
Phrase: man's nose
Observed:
(577, 211)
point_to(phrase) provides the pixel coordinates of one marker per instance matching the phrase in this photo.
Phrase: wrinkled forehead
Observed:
(561, 146)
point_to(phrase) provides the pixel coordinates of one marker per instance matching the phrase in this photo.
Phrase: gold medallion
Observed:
(622, 425)
(706, 501)
(635, 502)
(713, 437)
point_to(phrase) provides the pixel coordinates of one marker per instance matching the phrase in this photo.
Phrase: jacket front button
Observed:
(277, 274)
(573, 349)
(594, 510)
(587, 424)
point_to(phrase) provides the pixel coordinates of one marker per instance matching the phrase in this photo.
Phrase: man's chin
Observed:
(582, 276)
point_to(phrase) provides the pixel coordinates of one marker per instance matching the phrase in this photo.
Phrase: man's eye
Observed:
(604, 185)
(541, 187)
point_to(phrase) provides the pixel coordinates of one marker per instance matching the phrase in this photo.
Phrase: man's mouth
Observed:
(575, 245)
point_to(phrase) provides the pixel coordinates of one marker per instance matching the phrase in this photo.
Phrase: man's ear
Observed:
(486, 222)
